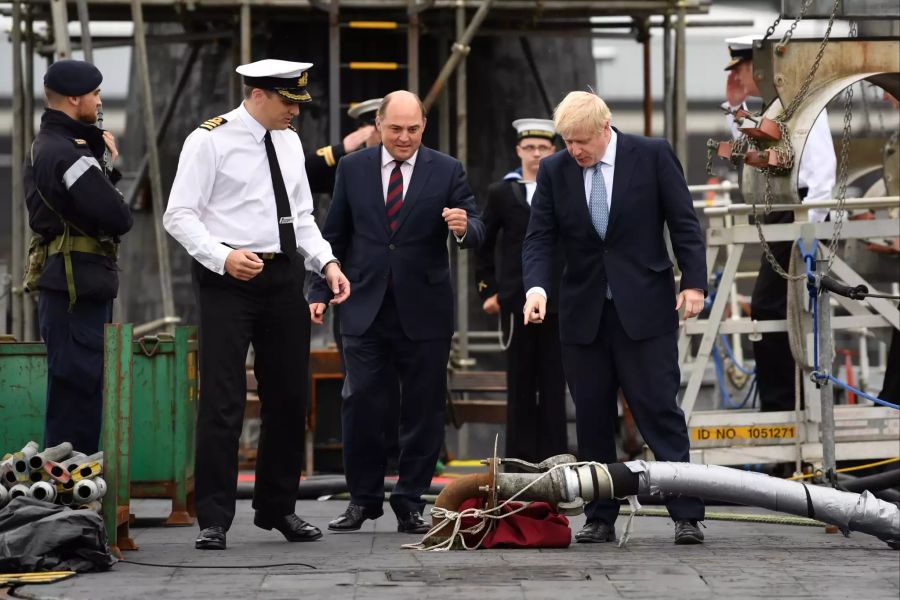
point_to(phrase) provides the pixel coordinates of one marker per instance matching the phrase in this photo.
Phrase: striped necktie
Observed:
(394, 200)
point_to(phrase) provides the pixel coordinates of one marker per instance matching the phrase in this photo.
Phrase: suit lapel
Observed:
(574, 178)
(623, 169)
(374, 169)
(420, 175)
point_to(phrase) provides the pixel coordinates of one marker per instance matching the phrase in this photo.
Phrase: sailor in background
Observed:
(774, 361)
(321, 164)
(536, 386)
(77, 215)
(244, 218)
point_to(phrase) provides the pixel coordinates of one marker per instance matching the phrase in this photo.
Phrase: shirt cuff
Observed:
(217, 260)
(536, 290)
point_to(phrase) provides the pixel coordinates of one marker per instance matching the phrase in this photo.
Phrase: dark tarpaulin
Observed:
(38, 536)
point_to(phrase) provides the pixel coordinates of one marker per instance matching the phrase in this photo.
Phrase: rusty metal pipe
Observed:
(460, 490)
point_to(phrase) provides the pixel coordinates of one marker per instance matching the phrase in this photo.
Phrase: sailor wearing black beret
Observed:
(241, 207)
(77, 215)
(72, 77)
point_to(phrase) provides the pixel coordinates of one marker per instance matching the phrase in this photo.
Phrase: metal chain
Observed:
(786, 38)
(772, 27)
(767, 251)
(804, 88)
(842, 178)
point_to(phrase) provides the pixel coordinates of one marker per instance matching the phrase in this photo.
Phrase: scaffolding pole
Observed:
(460, 48)
(18, 193)
(84, 19)
(162, 247)
(60, 15)
(462, 141)
(680, 110)
(412, 47)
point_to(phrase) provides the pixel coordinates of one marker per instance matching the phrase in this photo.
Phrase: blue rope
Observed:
(723, 392)
(734, 361)
(809, 258)
(850, 388)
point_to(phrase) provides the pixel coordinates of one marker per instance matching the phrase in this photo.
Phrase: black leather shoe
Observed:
(687, 532)
(291, 526)
(211, 538)
(596, 532)
(353, 517)
(412, 523)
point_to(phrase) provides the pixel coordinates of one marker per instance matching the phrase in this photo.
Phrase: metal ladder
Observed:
(337, 67)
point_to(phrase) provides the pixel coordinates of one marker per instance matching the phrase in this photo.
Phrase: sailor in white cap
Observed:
(536, 412)
(774, 362)
(244, 219)
(321, 163)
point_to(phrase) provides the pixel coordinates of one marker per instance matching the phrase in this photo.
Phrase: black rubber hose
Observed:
(873, 483)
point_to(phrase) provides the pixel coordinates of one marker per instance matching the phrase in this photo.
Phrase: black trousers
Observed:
(374, 362)
(74, 369)
(536, 390)
(647, 372)
(774, 361)
(270, 312)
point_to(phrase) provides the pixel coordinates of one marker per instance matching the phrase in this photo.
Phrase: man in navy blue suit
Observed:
(388, 223)
(606, 200)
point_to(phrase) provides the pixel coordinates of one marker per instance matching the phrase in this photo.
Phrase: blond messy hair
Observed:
(582, 111)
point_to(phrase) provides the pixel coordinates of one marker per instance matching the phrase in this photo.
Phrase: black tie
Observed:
(282, 204)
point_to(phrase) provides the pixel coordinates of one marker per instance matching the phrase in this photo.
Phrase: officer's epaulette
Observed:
(79, 142)
(211, 124)
(294, 129)
(327, 154)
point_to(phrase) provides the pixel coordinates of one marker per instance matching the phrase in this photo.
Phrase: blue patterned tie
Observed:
(599, 208)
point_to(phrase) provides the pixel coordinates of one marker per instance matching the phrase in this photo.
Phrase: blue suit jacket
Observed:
(414, 256)
(649, 190)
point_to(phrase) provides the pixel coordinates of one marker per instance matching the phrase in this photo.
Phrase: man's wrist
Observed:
(333, 261)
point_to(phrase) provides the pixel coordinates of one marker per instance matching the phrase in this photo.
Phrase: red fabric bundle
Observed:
(536, 526)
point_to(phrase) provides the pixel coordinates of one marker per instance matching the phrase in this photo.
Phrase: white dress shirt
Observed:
(406, 169)
(607, 169)
(223, 194)
(818, 164)
(387, 165)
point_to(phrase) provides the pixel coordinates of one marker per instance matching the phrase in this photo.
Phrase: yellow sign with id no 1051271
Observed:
(752, 432)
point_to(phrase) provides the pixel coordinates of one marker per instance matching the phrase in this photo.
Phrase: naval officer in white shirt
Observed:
(245, 219)
(816, 179)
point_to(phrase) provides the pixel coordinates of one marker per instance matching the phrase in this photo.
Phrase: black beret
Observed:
(72, 77)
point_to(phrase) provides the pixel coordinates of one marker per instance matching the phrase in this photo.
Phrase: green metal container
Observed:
(23, 394)
(163, 420)
(150, 408)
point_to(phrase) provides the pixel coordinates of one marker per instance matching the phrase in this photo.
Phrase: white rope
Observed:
(629, 528)
(487, 518)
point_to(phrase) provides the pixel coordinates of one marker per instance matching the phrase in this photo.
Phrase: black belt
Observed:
(262, 255)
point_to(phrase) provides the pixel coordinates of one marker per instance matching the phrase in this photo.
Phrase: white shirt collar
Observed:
(257, 130)
(609, 157)
(387, 159)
